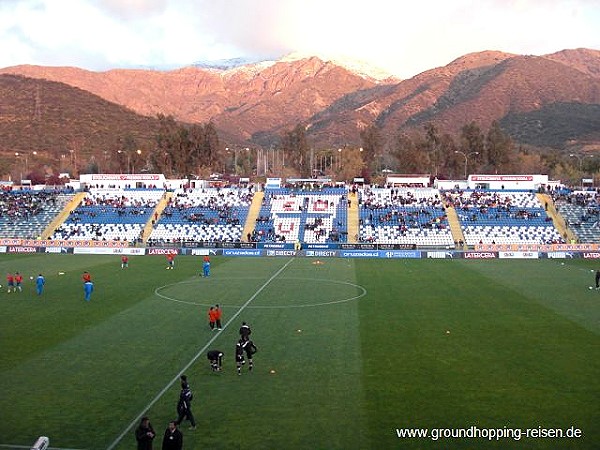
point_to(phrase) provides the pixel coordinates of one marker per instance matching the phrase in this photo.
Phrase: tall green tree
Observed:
(472, 144)
(295, 145)
(183, 150)
(447, 166)
(432, 145)
(372, 145)
(410, 153)
(499, 154)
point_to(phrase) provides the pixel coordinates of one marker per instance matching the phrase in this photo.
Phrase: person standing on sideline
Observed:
(86, 277)
(88, 288)
(206, 266)
(184, 405)
(124, 262)
(18, 282)
(40, 281)
(212, 317)
(170, 260)
(173, 439)
(218, 315)
(245, 331)
(10, 282)
(144, 434)
(216, 359)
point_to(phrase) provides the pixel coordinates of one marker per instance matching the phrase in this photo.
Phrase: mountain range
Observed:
(544, 101)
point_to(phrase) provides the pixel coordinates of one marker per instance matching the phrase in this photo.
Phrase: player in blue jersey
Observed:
(88, 288)
(206, 266)
(40, 281)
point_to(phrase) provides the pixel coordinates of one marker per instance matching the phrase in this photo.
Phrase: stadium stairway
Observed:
(353, 217)
(457, 234)
(63, 215)
(160, 207)
(559, 221)
(253, 212)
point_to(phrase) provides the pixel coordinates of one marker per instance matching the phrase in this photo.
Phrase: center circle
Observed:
(358, 292)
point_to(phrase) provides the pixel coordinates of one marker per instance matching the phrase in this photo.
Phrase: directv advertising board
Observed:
(320, 253)
(281, 252)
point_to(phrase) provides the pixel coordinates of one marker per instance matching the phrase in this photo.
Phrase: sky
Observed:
(401, 37)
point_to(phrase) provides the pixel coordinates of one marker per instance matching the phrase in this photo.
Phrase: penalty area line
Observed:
(195, 358)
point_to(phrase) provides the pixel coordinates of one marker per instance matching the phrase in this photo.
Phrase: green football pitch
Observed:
(352, 354)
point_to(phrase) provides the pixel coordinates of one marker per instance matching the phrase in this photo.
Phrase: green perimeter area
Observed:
(384, 344)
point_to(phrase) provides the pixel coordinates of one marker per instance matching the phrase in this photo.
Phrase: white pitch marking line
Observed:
(28, 447)
(193, 360)
(310, 305)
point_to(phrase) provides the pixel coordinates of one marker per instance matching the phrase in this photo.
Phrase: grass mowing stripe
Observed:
(472, 350)
(193, 360)
(314, 399)
(560, 287)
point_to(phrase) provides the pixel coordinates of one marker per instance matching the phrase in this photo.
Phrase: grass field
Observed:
(384, 345)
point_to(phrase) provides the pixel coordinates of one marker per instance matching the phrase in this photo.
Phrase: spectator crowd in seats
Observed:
(400, 211)
(209, 214)
(210, 207)
(16, 205)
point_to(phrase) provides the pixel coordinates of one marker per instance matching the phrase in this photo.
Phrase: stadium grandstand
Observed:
(167, 213)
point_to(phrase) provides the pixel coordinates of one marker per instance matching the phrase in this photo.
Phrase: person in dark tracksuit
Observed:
(144, 434)
(173, 439)
(245, 331)
(184, 405)
(216, 359)
(244, 349)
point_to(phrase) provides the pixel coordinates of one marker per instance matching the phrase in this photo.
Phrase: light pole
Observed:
(137, 154)
(105, 166)
(25, 155)
(17, 154)
(580, 159)
(228, 151)
(466, 156)
(120, 152)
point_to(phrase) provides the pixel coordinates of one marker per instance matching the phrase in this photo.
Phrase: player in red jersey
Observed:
(170, 260)
(124, 262)
(18, 282)
(10, 282)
